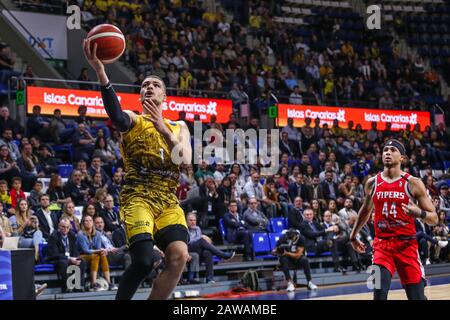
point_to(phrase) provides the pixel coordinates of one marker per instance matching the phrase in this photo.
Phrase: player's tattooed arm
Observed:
(425, 209)
(363, 215)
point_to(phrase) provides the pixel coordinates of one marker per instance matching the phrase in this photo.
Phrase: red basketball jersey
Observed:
(390, 220)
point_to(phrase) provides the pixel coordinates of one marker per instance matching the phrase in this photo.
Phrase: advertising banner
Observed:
(68, 101)
(398, 118)
(6, 288)
(49, 32)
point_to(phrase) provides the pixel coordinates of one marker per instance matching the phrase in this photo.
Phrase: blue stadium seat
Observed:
(223, 231)
(323, 254)
(261, 246)
(65, 170)
(42, 267)
(273, 238)
(277, 224)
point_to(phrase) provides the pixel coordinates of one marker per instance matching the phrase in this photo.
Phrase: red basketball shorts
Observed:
(401, 255)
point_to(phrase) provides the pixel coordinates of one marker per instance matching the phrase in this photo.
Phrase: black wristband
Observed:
(353, 239)
(423, 214)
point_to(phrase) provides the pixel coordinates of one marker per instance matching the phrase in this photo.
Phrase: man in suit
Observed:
(109, 215)
(315, 190)
(287, 146)
(295, 216)
(48, 220)
(62, 252)
(316, 239)
(96, 166)
(255, 219)
(298, 189)
(330, 188)
(76, 189)
(237, 231)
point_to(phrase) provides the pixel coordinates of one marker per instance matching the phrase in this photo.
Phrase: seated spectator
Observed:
(83, 143)
(103, 151)
(76, 190)
(290, 249)
(295, 217)
(115, 255)
(48, 162)
(441, 232)
(90, 210)
(7, 123)
(298, 188)
(62, 252)
(202, 172)
(202, 245)
(365, 236)
(5, 199)
(315, 237)
(115, 186)
(39, 125)
(254, 189)
(330, 188)
(82, 167)
(316, 207)
(89, 244)
(96, 184)
(59, 128)
(237, 231)
(83, 119)
(69, 214)
(35, 194)
(48, 220)
(31, 236)
(110, 215)
(7, 140)
(20, 219)
(5, 226)
(29, 166)
(426, 239)
(255, 219)
(99, 199)
(55, 190)
(16, 192)
(347, 210)
(96, 167)
(444, 199)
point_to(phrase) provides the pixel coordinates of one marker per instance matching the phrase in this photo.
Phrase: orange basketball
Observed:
(110, 42)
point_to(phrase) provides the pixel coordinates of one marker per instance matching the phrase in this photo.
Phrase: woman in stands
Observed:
(103, 151)
(332, 207)
(21, 217)
(240, 175)
(100, 196)
(90, 210)
(315, 206)
(8, 168)
(97, 183)
(89, 244)
(69, 214)
(31, 236)
(55, 190)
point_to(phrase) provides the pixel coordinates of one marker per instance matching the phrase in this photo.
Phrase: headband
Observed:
(397, 144)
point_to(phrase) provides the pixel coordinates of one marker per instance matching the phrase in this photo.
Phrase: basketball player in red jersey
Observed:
(393, 195)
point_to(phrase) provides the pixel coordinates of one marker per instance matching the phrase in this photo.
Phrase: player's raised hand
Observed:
(155, 114)
(91, 56)
(411, 209)
(358, 246)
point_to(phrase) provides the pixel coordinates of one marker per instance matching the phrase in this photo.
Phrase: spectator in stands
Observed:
(254, 189)
(29, 166)
(96, 167)
(110, 215)
(295, 217)
(115, 186)
(7, 140)
(8, 167)
(84, 76)
(116, 255)
(76, 190)
(20, 218)
(330, 188)
(237, 231)
(203, 246)
(48, 220)
(83, 118)
(89, 244)
(255, 219)
(16, 192)
(61, 133)
(298, 189)
(83, 143)
(444, 198)
(103, 151)
(295, 97)
(35, 194)
(347, 210)
(5, 198)
(69, 214)
(7, 62)
(5, 226)
(290, 249)
(62, 252)
(90, 210)
(202, 172)
(39, 125)
(315, 236)
(441, 232)
(97, 183)
(55, 190)
(48, 163)
(426, 239)
(31, 236)
(82, 167)
(7, 123)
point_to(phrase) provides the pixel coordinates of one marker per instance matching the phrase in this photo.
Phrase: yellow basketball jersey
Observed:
(147, 158)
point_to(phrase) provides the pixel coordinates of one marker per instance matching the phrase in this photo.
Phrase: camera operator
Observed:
(290, 249)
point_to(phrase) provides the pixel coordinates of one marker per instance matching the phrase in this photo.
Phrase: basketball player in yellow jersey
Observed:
(152, 149)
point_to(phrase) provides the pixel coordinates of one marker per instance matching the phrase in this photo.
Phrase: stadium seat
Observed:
(42, 267)
(223, 231)
(261, 246)
(65, 170)
(277, 225)
(273, 238)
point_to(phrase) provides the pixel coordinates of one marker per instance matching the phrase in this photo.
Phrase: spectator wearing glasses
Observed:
(255, 219)
(110, 215)
(69, 214)
(237, 231)
(76, 189)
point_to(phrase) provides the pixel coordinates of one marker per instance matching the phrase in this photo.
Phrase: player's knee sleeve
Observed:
(416, 291)
(381, 293)
(142, 255)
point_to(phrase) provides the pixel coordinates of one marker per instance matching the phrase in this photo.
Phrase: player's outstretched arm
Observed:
(121, 120)
(363, 216)
(426, 210)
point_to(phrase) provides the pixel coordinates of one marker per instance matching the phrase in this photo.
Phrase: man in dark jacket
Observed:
(48, 220)
(298, 189)
(76, 189)
(330, 188)
(109, 215)
(62, 252)
(295, 216)
(236, 229)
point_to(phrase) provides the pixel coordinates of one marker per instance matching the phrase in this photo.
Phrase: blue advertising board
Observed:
(6, 288)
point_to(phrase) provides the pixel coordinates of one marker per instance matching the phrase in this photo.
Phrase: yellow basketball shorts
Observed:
(152, 214)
